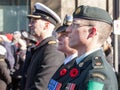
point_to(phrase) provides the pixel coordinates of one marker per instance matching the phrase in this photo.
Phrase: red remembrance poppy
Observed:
(73, 72)
(63, 72)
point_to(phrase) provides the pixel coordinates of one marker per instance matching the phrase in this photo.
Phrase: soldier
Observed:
(71, 54)
(45, 58)
(90, 28)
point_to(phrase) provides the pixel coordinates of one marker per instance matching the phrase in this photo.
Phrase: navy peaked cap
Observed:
(43, 12)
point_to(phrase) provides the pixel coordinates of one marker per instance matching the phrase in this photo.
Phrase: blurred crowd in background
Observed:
(13, 49)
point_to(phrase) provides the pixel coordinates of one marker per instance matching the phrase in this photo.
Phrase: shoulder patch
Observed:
(94, 85)
(97, 62)
(52, 42)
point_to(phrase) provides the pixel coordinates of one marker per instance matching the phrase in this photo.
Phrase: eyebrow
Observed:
(83, 22)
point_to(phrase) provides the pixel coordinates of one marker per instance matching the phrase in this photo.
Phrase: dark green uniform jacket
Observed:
(45, 61)
(92, 73)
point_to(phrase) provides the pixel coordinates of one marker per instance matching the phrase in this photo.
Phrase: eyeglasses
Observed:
(74, 25)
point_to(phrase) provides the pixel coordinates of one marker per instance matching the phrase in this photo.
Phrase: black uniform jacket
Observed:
(60, 77)
(45, 61)
(92, 73)
(5, 78)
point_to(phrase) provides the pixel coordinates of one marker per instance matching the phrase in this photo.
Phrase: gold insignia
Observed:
(96, 57)
(52, 42)
(1, 60)
(77, 11)
(47, 17)
(33, 16)
(98, 75)
(98, 66)
(65, 21)
(97, 63)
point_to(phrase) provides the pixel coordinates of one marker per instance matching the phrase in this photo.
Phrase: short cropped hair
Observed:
(104, 30)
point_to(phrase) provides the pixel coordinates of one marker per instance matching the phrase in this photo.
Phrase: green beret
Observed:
(43, 12)
(92, 13)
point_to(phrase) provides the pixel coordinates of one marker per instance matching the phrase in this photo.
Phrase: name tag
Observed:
(54, 85)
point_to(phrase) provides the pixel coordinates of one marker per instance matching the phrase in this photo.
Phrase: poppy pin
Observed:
(63, 72)
(73, 72)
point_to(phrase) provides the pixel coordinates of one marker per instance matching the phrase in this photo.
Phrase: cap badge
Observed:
(65, 21)
(47, 17)
(68, 20)
(78, 11)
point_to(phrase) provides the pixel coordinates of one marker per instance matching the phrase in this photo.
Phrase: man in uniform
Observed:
(90, 28)
(45, 58)
(61, 74)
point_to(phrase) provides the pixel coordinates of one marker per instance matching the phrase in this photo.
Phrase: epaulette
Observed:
(2, 60)
(97, 62)
(52, 42)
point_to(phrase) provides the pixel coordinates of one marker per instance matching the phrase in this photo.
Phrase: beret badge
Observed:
(78, 11)
(68, 20)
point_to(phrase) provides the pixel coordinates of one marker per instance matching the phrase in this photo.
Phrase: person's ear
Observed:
(92, 32)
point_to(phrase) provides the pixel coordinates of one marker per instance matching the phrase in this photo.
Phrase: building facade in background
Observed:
(13, 15)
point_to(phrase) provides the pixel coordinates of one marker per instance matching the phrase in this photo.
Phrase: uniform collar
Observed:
(79, 59)
(68, 59)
